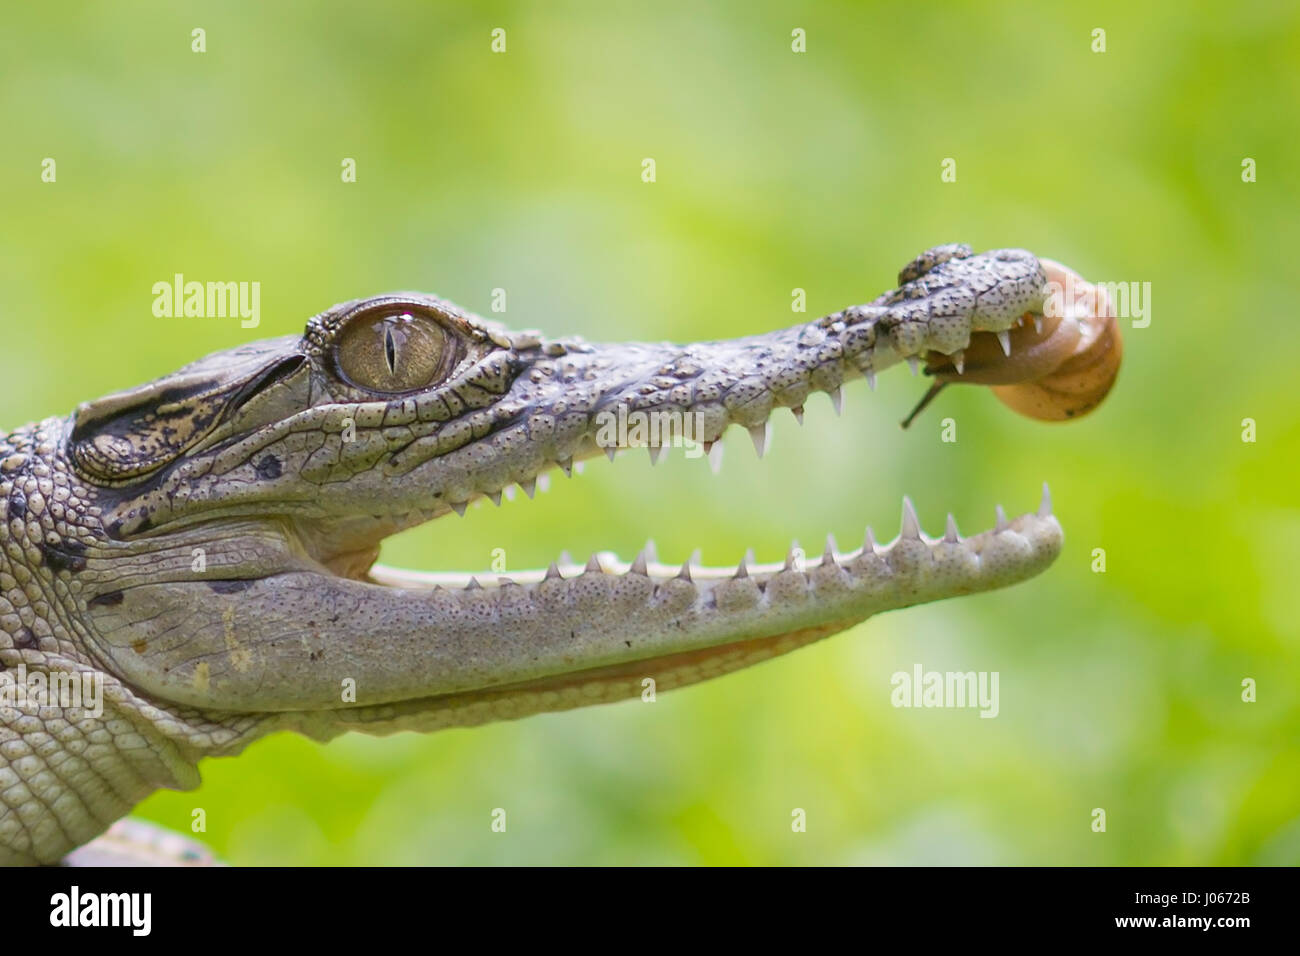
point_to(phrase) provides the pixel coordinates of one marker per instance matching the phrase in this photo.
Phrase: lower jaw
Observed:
(598, 685)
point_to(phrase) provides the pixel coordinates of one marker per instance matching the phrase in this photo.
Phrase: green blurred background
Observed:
(775, 170)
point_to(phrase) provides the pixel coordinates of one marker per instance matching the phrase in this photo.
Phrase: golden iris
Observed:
(393, 351)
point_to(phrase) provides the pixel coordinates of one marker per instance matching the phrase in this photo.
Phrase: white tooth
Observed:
(544, 482)
(459, 507)
(742, 570)
(1004, 339)
(529, 486)
(651, 552)
(685, 573)
(951, 534)
(579, 466)
(639, 565)
(959, 360)
(593, 563)
(911, 527)
(1002, 521)
(495, 497)
(509, 491)
(715, 457)
(789, 555)
(871, 378)
(797, 411)
(837, 399)
(1045, 506)
(566, 559)
(869, 542)
(695, 560)
(656, 451)
(914, 365)
(759, 436)
(566, 466)
(610, 452)
(1038, 323)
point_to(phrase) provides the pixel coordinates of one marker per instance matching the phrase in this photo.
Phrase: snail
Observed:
(1054, 366)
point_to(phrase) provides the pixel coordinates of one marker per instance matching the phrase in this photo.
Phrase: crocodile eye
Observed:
(393, 351)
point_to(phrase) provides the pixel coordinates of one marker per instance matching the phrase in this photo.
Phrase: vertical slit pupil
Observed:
(390, 350)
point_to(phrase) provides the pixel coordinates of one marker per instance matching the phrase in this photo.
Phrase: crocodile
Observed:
(202, 550)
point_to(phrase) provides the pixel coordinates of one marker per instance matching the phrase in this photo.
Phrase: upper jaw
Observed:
(519, 405)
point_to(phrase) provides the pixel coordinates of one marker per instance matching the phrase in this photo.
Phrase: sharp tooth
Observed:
(951, 534)
(871, 378)
(1045, 506)
(553, 573)
(579, 466)
(685, 573)
(789, 556)
(914, 365)
(473, 585)
(1002, 521)
(639, 565)
(610, 452)
(695, 560)
(544, 482)
(715, 457)
(742, 569)
(759, 436)
(651, 552)
(828, 555)
(566, 466)
(837, 399)
(1038, 323)
(911, 526)
(593, 563)
(459, 507)
(655, 452)
(495, 497)
(797, 411)
(509, 491)
(1004, 339)
(959, 360)
(529, 486)
(869, 542)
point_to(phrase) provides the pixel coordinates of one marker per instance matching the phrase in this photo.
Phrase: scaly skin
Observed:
(203, 546)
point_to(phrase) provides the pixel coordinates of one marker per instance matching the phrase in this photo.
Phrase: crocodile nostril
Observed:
(268, 468)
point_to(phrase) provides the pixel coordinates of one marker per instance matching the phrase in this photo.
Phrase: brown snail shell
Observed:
(1060, 364)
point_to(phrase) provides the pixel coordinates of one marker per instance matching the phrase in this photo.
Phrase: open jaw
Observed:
(285, 464)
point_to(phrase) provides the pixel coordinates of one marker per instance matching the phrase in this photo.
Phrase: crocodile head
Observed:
(211, 537)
